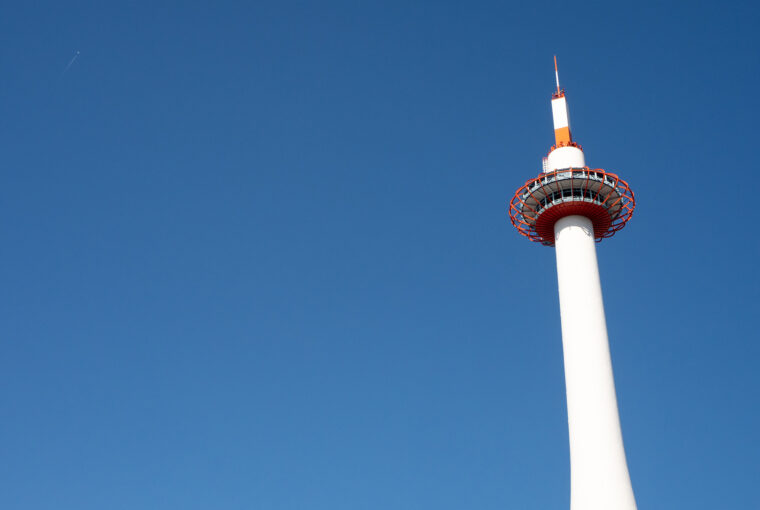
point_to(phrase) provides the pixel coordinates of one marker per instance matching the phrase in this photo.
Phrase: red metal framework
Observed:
(601, 196)
(564, 144)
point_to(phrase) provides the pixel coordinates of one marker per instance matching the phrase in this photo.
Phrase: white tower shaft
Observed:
(598, 468)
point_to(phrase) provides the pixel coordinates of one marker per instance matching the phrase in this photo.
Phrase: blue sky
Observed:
(258, 256)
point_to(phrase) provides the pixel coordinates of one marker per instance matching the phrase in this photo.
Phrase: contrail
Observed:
(70, 62)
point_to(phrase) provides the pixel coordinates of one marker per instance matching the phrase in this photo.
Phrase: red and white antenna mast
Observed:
(570, 206)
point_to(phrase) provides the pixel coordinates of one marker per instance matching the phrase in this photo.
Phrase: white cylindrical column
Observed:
(599, 478)
(565, 157)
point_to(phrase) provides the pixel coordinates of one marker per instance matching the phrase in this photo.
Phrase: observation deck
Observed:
(600, 196)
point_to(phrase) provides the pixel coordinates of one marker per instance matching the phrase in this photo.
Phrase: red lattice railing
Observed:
(601, 196)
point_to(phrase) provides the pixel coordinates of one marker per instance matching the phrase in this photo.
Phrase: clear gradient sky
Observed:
(256, 255)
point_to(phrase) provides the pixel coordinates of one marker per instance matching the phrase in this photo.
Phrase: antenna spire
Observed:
(556, 73)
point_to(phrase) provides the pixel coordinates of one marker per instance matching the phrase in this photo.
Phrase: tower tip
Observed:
(556, 74)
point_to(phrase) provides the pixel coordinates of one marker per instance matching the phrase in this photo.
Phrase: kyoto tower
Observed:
(571, 207)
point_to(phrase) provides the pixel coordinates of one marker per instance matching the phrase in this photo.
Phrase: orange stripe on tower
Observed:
(562, 136)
